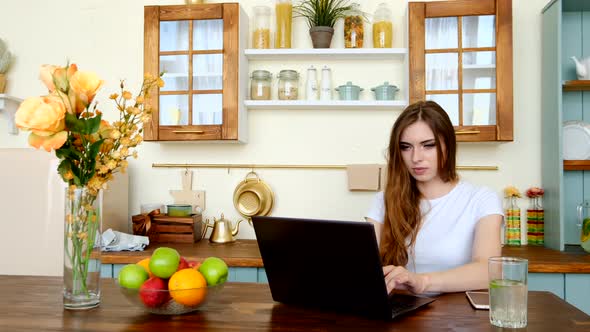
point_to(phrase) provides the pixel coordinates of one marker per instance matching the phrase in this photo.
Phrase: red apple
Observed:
(154, 292)
(194, 265)
(183, 264)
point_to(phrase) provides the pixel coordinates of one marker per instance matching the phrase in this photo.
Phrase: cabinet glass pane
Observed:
(208, 72)
(479, 109)
(208, 35)
(479, 31)
(175, 68)
(173, 110)
(450, 103)
(174, 36)
(441, 32)
(479, 70)
(207, 109)
(441, 71)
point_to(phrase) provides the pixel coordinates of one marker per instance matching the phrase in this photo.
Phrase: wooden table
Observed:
(35, 304)
(245, 253)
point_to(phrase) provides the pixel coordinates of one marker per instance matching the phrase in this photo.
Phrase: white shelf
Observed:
(326, 53)
(325, 105)
(487, 66)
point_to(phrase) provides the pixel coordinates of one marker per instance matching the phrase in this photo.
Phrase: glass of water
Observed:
(508, 291)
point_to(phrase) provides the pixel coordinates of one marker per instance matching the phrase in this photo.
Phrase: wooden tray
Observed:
(176, 229)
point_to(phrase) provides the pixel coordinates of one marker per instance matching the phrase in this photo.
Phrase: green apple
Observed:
(214, 270)
(132, 276)
(164, 262)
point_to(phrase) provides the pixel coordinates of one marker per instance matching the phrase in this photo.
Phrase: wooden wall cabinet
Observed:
(460, 56)
(199, 49)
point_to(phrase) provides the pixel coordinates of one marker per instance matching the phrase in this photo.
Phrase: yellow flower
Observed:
(42, 115)
(127, 95)
(114, 96)
(511, 191)
(85, 85)
(139, 100)
(46, 76)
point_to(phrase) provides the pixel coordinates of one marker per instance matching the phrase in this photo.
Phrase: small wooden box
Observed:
(176, 229)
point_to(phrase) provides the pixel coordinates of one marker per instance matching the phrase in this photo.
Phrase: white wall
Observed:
(106, 36)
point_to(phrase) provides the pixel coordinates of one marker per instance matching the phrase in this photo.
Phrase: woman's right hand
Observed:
(398, 277)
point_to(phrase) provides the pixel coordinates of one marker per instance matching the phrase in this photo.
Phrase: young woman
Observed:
(436, 231)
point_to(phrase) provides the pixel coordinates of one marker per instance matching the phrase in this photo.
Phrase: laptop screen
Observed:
(321, 263)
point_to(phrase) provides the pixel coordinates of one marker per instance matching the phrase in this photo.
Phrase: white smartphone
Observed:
(479, 300)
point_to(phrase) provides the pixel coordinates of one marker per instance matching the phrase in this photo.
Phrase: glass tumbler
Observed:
(508, 291)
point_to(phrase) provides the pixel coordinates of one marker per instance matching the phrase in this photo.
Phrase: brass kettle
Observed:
(222, 232)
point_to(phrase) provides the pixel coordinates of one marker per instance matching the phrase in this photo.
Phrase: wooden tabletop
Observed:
(245, 253)
(35, 304)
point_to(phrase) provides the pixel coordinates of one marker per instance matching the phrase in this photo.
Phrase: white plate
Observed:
(576, 140)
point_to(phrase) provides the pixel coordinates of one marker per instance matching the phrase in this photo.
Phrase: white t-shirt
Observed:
(445, 239)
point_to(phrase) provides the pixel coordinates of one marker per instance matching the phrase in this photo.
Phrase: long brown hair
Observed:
(401, 196)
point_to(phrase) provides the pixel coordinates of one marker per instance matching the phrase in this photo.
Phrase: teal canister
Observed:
(385, 91)
(349, 91)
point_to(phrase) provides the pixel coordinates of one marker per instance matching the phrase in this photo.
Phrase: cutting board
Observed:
(196, 198)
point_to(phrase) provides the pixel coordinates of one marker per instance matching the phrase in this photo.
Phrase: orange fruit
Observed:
(145, 263)
(188, 287)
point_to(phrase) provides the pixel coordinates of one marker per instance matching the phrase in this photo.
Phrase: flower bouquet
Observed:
(91, 150)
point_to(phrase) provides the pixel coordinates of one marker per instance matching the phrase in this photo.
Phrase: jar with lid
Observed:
(353, 27)
(260, 84)
(382, 27)
(288, 85)
(261, 33)
(284, 20)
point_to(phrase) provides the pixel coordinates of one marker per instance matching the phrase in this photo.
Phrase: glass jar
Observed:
(512, 231)
(288, 85)
(354, 29)
(261, 33)
(382, 27)
(260, 85)
(284, 13)
(535, 219)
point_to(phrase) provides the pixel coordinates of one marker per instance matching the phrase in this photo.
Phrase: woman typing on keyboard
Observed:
(435, 231)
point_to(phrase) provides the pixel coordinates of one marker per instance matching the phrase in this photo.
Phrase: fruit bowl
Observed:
(165, 302)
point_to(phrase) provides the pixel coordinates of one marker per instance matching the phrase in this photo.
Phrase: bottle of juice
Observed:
(382, 27)
(284, 12)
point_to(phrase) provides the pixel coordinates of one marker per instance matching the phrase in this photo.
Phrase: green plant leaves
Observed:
(322, 12)
(83, 126)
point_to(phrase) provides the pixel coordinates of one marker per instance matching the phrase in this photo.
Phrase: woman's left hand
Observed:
(397, 277)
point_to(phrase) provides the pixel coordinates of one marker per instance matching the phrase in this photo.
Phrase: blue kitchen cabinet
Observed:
(236, 274)
(550, 282)
(577, 291)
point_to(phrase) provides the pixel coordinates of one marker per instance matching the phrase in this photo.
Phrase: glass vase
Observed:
(512, 233)
(535, 222)
(82, 245)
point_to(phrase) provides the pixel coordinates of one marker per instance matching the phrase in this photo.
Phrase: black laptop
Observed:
(332, 265)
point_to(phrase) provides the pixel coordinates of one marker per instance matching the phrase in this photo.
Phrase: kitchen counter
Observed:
(245, 253)
(35, 304)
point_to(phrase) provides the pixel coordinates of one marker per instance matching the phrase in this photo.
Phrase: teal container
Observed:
(349, 91)
(385, 91)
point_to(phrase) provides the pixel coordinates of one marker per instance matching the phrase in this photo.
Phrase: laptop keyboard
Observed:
(401, 303)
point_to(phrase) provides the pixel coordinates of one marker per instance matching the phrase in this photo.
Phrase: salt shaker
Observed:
(326, 84)
(311, 89)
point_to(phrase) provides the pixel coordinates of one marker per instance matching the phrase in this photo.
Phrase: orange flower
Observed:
(48, 143)
(43, 116)
(85, 85)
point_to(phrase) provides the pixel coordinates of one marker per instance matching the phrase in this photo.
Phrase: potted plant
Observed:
(321, 15)
(5, 61)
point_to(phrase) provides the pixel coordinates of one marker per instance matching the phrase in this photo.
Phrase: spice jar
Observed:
(261, 33)
(284, 13)
(288, 85)
(260, 84)
(382, 27)
(353, 27)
